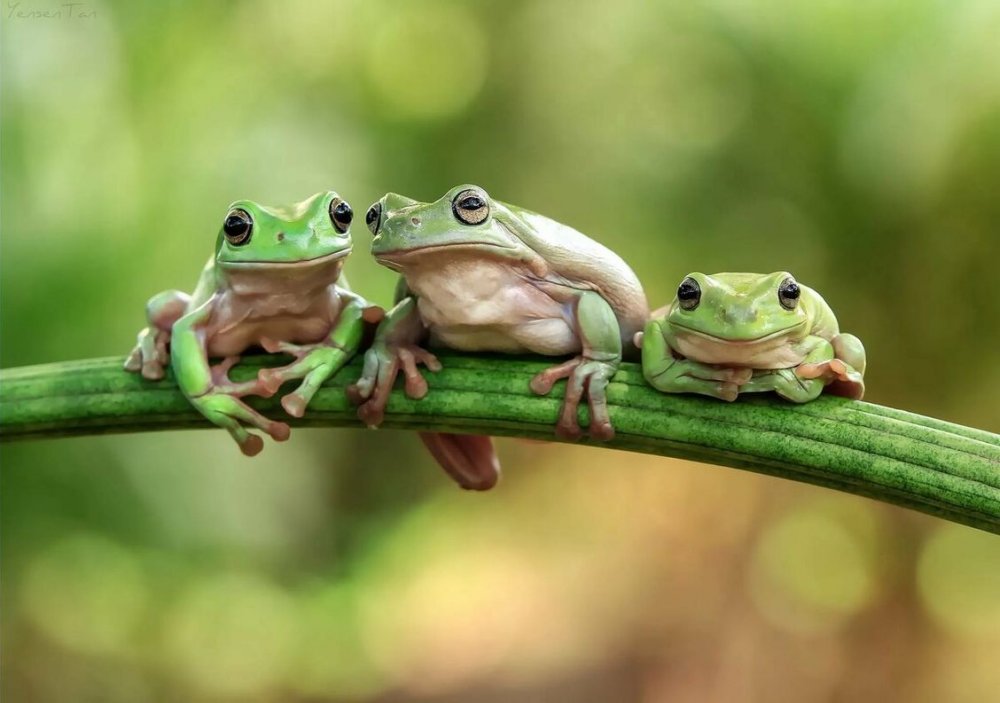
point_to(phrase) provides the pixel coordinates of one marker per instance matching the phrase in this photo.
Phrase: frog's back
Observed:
(588, 264)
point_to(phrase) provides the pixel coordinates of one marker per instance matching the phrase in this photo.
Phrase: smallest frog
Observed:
(732, 333)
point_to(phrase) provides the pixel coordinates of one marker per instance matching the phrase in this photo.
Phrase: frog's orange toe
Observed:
(252, 445)
(280, 431)
(602, 431)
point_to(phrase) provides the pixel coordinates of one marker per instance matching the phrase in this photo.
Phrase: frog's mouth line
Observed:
(302, 263)
(740, 342)
(397, 255)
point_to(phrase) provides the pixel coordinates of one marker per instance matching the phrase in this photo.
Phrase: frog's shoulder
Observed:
(822, 320)
(575, 257)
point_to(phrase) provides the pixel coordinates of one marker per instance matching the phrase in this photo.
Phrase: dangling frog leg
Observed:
(589, 373)
(395, 348)
(789, 383)
(315, 363)
(209, 389)
(844, 374)
(150, 352)
(667, 373)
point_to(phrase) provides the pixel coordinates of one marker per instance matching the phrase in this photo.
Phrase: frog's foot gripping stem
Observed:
(314, 363)
(383, 362)
(839, 376)
(229, 412)
(222, 384)
(222, 406)
(584, 375)
(150, 356)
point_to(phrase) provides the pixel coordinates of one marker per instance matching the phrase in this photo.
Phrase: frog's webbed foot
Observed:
(383, 362)
(149, 356)
(314, 363)
(221, 382)
(839, 377)
(584, 375)
(229, 412)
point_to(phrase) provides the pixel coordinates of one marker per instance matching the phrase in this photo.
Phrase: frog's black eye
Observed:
(341, 214)
(689, 294)
(373, 218)
(470, 207)
(788, 293)
(237, 227)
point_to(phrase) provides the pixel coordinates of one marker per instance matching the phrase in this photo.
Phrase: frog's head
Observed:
(465, 221)
(727, 317)
(312, 233)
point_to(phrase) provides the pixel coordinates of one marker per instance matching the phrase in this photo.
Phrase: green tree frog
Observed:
(275, 282)
(732, 333)
(481, 275)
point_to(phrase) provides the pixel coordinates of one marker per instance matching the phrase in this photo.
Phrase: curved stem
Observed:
(897, 457)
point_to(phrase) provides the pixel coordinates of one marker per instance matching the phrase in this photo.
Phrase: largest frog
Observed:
(274, 282)
(482, 275)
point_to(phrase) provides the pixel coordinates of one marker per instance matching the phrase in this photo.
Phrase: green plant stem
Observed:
(897, 457)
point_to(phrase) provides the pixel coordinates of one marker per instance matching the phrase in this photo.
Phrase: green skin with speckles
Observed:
(732, 333)
(482, 275)
(275, 283)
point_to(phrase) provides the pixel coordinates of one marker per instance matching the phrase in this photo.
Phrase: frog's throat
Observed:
(785, 331)
(396, 259)
(301, 263)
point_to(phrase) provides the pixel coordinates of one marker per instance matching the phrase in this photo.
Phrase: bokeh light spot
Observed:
(86, 593)
(958, 577)
(810, 572)
(427, 61)
(231, 634)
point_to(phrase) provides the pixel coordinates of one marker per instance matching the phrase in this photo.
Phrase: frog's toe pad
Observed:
(152, 371)
(371, 413)
(602, 431)
(568, 430)
(356, 395)
(252, 445)
(294, 404)
(134, 362)
(280, 431)
(728, 391)
(270, 381)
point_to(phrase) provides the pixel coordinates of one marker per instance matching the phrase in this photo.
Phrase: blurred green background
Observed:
(856, 144)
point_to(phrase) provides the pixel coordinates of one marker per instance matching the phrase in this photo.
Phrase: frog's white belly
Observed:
(239, 323)
(488, 306)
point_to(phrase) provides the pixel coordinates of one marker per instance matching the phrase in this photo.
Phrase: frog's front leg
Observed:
(315, 363)
(669, 374)
(395, 348)
(789, 383)
(209, 388)
(844, 374)
(590, 373)
(150, 355)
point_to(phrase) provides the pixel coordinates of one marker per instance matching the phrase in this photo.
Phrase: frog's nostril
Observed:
(415, 221)
(281, 236)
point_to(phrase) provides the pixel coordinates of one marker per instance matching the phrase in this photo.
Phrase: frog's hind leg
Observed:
(588, 373)
(150, 355)
(469, 459)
